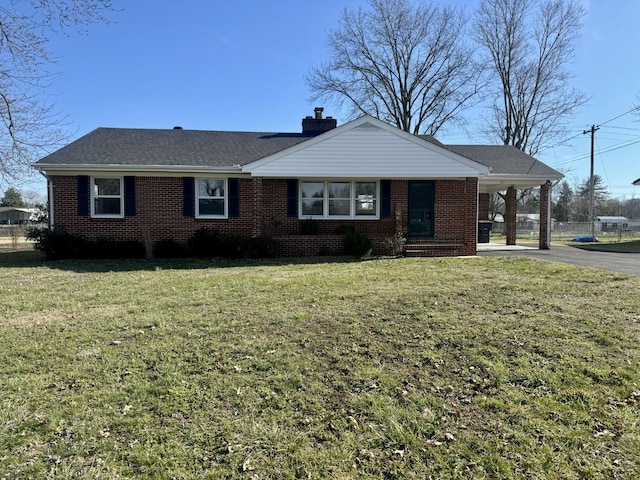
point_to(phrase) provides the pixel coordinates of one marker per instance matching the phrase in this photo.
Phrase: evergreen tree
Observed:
(600, 199)
(561, 208)
(12, 198)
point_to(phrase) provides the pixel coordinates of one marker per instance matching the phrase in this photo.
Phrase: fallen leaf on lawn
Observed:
(352, 421)
(246, 465)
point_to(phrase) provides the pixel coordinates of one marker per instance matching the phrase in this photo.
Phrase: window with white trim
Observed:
(211, 201)
(338, 199)
(107, 197)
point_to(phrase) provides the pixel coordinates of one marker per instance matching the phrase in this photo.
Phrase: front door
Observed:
(421, 211)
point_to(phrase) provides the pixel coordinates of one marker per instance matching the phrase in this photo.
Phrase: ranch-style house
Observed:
(130, 184)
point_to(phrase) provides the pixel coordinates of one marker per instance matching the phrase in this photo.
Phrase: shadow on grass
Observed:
(21, 258)
(624, 247)
(29, 259)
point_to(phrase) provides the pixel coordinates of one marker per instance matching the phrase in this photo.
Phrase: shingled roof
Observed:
(505, 160)
(176, 147)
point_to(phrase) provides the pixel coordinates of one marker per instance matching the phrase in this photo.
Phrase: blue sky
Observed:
(241, 66)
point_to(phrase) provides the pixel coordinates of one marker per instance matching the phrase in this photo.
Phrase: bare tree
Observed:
(407, 65)
(529, 45)
(29, 126)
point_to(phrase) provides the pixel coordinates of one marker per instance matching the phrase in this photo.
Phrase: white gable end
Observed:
(366, 148)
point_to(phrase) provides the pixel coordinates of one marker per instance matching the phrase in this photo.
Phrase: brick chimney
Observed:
(315, 126)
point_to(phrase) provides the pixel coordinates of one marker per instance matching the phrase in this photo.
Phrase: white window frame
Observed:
(95, 196)
(352, 200)
(225, 197)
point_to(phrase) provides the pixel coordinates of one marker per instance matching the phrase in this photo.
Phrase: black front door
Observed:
(421, 211)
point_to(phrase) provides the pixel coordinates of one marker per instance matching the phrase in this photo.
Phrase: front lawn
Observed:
(462, 368)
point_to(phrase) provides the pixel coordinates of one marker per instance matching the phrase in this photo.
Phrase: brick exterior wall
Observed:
(545, 198)
(263, 213)
(510, 210)
(484, 201)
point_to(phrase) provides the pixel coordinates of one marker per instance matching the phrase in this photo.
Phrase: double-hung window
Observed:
(211, 199)
(338, 199)
(107, 197)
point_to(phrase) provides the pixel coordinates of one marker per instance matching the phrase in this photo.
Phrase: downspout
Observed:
(50, 195)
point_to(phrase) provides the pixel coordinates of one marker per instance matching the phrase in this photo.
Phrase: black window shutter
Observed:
(83, 195)
(385, 198)
(234, 197)
(129, 196)
(292, 197)
(188, 197)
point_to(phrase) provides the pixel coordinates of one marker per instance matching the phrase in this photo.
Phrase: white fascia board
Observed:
(477, 168)
(496, 183)
(157, 170)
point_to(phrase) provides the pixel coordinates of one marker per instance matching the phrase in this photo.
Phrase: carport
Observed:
(512, 170)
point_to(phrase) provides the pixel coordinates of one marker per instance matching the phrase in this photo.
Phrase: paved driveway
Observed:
(616, 262)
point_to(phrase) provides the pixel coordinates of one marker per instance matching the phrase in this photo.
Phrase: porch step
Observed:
(431, 249)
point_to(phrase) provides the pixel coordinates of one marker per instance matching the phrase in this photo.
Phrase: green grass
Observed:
(411, 368)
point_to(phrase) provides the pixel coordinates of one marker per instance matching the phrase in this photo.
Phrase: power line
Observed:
(634, 109)
(598, 152)
(563, 142)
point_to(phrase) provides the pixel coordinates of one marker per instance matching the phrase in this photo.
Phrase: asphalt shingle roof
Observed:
(204, 148)
(505, 159)
(130, 146)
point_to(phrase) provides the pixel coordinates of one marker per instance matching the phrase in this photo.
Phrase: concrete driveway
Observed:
(616, 262)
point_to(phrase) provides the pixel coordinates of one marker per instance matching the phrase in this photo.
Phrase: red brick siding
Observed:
(456, 208)
(484, 200)
(158, 212)
(263, 212)
(510, 211)
(545, 194)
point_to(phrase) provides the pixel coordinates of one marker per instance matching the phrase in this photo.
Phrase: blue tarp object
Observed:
(585, 239)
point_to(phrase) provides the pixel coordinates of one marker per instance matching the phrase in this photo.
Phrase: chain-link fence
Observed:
(571, 230)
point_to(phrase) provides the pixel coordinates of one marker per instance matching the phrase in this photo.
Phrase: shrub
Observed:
(260, 247)
(204, 242)
(168, 248)
(113, 249)
(57, 244)
(357, 244)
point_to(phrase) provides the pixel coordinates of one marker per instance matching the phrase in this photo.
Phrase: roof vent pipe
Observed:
(177, 128)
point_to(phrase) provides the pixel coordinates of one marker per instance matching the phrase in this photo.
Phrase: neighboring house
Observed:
(610, 223)
(17, 215)
(637, 182)
(531, 221)
(130, 184)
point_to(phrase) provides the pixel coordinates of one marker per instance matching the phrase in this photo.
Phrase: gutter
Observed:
(88, 168)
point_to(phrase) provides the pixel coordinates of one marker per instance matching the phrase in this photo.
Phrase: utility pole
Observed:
(592, 131)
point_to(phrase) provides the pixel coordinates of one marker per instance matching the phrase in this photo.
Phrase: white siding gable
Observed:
(366, 148)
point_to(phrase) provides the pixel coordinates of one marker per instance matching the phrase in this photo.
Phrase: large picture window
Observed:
(212, 198)
(338, 199)
(107, 197)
